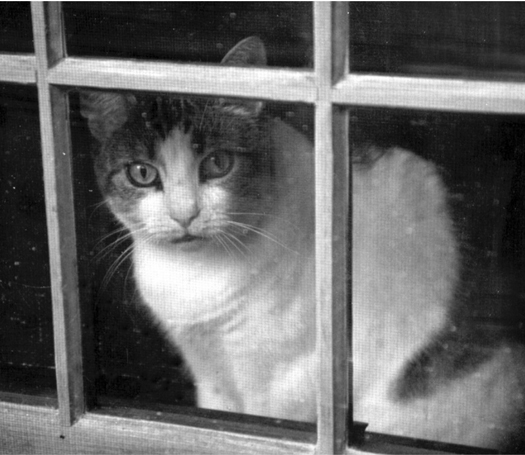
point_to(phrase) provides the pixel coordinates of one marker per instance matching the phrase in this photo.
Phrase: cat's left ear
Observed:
(248, 52)
(106, 112)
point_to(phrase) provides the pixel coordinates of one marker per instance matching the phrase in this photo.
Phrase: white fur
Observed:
(406, 267)
(243, 314)
(245, 323)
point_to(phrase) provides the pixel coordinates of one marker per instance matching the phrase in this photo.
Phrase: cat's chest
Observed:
(181, 289)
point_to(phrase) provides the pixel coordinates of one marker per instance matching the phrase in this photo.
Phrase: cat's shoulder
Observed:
(401, 179)
(394, 163)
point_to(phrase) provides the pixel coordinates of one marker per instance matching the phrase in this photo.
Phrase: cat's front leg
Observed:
(289, 393)
(213, 396)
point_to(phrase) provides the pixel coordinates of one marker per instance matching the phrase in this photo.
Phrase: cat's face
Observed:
(188, 171)
(185, 171)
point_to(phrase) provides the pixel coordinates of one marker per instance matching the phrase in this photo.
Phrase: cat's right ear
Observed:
(105, 112)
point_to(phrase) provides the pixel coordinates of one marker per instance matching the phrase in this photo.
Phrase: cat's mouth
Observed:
(186, 239)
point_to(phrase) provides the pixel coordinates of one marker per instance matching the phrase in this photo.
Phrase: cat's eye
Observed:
(217, 164)
(142, 174)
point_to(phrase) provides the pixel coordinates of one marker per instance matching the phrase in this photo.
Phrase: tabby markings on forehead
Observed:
(164, 114)
(176, 151)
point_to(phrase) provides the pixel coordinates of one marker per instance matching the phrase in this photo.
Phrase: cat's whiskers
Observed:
(262, 232)
(220, 238)
(126, 278)
(115, 265)
(140, 240)
(114, 244)
(96, 207)
(115, 232)
(269, 215)
(240, 242)
(122, 257)
(206, 106)
(229, 240)
(237, 243)
(230, 123)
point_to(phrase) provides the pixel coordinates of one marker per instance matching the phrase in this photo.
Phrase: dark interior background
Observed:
(482, 158)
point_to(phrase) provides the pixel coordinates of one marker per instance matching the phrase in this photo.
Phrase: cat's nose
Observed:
(182, 203)
(185, 216)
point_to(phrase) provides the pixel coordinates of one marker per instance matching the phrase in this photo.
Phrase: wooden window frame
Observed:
(29, 424)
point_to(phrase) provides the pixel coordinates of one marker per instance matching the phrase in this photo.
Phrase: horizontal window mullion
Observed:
(364, 90)
(23, 426)
(431, 93)
(18, 68)
(261, 83)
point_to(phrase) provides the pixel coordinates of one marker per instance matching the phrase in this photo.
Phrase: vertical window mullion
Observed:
(56, 156)
(332, 209)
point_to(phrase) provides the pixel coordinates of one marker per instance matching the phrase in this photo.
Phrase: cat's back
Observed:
(416, 372)
(405, 260)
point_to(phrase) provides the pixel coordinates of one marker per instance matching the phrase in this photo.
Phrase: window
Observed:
(354, 77)
(25, 289)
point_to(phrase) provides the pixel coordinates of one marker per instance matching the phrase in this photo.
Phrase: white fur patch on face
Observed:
(184, 205)
(179, 168)
(176, 156)
(156, 219)
(216, 201)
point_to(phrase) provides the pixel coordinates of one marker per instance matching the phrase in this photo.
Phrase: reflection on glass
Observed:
(16, 34)
(438, 266)
(456, 38)
(26, 333)
(216, 198)
(189, 31)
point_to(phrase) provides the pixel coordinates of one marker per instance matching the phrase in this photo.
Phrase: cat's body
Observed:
(219, 200)
(229, 319)
(430, 376)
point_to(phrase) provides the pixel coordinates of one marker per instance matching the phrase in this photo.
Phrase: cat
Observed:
(219, 200)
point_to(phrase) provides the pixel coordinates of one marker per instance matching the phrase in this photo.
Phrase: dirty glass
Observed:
(26, 332)
(16, 34)
(480, 160)
(135, 362)
(189, 31)
(456, 39)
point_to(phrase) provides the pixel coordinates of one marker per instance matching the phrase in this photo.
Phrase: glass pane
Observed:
(436, 342)
(26, 332)
(189, 31)
(16, 33)
(451, 38)
(205, 186)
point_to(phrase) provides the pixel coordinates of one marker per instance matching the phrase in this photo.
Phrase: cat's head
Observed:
(185, 170)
